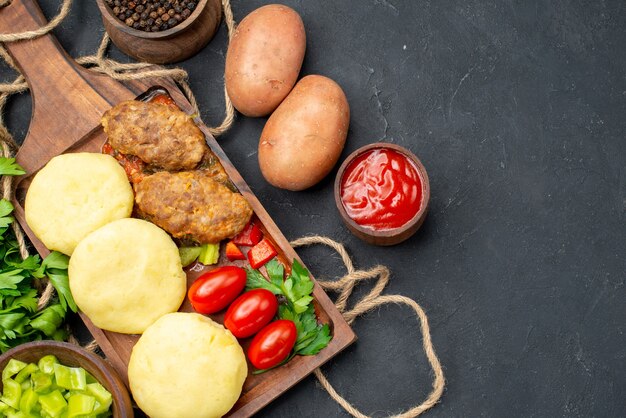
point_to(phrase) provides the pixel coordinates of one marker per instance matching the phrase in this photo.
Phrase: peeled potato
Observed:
(264, 59)
(185, 365)
(303, 139)
(75, 194)
(126, 275)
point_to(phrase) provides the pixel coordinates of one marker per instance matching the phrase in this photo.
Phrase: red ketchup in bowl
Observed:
(381, 189)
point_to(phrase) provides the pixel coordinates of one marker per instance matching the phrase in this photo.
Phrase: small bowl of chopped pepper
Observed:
(160, 31)
(52, 378)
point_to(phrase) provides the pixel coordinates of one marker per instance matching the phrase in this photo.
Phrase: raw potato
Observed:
(126, 275)
(304, 137)
(75, 194)
(264, 59)
(186, 365)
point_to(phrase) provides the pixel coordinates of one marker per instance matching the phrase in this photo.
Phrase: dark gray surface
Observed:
(517, 110)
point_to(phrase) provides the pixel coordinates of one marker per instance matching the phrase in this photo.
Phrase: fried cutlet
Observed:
(158, 134)
(191, 205)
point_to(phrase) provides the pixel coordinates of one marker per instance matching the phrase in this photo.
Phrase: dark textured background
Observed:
(517, 110)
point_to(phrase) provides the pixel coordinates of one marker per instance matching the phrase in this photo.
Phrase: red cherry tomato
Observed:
(250, 312)
(272, 344)
(214, 290)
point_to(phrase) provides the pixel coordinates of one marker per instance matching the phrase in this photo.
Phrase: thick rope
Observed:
(374, 299)
(32, 34)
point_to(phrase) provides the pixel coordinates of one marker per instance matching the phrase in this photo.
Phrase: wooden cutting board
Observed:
(68, 102)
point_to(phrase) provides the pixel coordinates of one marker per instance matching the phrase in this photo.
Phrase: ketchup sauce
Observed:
(381, 189)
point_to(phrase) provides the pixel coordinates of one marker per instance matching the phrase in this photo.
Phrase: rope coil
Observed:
(344, 286)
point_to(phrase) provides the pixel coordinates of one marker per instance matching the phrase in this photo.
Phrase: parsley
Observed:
(55, 267)
(255, 280)
(5, 211)
(296, 290)
(9, 167)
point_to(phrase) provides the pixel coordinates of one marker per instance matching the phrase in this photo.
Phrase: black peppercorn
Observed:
(152, 15)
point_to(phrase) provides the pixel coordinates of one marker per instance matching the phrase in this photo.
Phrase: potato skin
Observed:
(264, 59)
(304, 137)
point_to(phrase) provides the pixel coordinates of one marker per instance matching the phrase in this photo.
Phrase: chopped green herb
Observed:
(296, 289)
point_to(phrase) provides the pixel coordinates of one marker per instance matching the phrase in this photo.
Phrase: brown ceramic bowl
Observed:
(172, 45)
(388, 236)
(74, 356)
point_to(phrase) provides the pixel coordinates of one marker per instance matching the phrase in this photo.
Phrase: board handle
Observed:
(68, 101)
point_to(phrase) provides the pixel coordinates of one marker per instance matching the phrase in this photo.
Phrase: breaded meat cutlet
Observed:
(158, 134)
(191, 205)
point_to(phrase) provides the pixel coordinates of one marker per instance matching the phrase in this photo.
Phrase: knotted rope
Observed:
(372, 300)
(344, 286)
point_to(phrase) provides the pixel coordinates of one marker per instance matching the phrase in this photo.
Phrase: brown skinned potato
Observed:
(264, 59)
(304, 137)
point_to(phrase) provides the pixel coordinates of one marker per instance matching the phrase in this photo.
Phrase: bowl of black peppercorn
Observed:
(160, 31)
